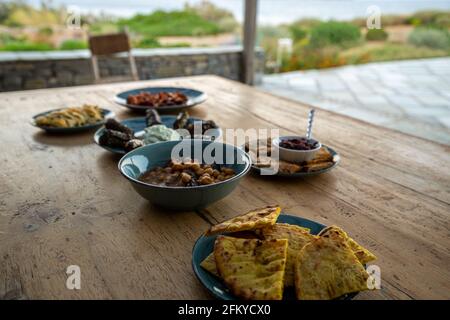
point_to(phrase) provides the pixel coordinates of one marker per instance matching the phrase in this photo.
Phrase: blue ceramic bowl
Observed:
(145, 158)
(194, 97)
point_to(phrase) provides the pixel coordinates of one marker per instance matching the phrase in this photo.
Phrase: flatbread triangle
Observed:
(326, 269)
(361, 253)
(252, 269)
(251, 220)
(297, 238)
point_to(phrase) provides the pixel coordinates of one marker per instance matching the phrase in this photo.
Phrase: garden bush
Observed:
(73, 45)
(25, 46)
(297, 32)
(376, 35)
(334, 33)
(431, 38)
(431, 18)
(148, 42)
(173, 23)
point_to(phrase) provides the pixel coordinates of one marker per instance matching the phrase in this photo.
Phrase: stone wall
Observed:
(36, 70)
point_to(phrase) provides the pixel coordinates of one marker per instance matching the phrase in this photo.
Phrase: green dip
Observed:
(158, 133)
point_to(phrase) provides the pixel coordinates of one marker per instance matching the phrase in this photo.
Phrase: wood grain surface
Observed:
(63, 201)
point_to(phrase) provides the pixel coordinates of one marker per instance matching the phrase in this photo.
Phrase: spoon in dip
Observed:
(310, 123)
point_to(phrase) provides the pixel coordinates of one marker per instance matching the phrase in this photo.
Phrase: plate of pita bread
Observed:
(266, 255)
(325, 160)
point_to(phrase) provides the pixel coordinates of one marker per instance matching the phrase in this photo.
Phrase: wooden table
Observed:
(63, 201)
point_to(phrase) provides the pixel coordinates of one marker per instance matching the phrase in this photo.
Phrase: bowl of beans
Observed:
(185, 175)
(296, 148)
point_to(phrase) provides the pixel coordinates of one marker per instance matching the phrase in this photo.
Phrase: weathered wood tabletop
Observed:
(63, 202)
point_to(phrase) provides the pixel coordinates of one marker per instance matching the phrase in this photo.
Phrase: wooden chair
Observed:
(107, 45)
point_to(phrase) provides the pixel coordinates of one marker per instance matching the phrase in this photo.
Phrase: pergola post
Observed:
(248, 62)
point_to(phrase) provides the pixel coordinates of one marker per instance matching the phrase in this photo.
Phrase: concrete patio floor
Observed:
(412, 96)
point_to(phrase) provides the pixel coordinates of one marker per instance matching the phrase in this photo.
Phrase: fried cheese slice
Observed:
(252, 269)
(361, 253)
(327, 268)
(297, 238)
(251, 220)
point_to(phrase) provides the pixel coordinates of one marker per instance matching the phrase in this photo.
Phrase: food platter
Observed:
(193, 96)
(336, 160)
(138, 125)
(51, 129)
(204, 246)
(305, 169)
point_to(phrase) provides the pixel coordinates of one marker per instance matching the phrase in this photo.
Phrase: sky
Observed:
(269, 11)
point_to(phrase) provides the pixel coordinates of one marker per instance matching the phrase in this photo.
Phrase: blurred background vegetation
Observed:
(312, 43)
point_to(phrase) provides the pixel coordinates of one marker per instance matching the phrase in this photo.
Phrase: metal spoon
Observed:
(310, 123)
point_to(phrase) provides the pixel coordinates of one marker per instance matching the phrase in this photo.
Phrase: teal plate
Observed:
(336, 160)
(205, 246)
(106, 114)
(139, 124)
(194, 97)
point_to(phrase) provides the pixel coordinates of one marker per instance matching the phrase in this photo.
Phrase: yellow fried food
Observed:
(71, 117)
(323, 155)
(326, 269)
(361, 253)
(297, 238)
(311, 167)
(209, 264)
(251, 220)
(252, 269)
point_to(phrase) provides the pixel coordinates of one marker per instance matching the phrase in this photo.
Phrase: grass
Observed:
(385, 51)
(25, 46)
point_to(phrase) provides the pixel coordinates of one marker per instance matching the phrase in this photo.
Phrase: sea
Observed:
(270, 12)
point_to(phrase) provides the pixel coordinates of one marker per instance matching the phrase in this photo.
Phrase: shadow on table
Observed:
(64, 140)
(327, 178)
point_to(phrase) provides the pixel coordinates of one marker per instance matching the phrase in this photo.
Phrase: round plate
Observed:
(205, 245)
(336, 160)
(194, 97)
(139, 124)
(106, 114)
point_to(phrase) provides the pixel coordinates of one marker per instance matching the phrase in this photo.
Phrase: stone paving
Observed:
(412, 96)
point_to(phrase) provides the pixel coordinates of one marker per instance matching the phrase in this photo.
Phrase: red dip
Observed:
(298, 144)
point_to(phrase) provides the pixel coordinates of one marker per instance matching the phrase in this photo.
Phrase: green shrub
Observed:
(224, 19)
(376, 35)
(173, 23)
(298, 33)
(73, 45)
(334, 33)
(25, 46)
(431, 38)
(430, 18)
(148, 42)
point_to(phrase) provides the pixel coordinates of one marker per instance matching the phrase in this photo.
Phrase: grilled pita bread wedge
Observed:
(209, 264)
(326, 269)
(252, 269)
(323, 155)
(297, 238)
(251, 220)
(361, 253)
